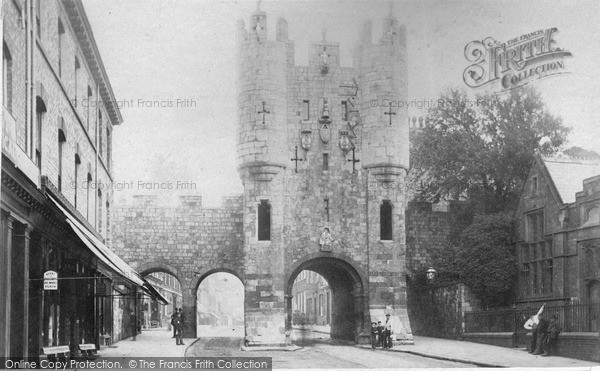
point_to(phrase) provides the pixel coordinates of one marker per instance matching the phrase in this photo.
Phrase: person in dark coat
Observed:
(542, 329)
(380, 333)
(133, 324)
(178, 324)
(175, 311)
(374, 335)
(551, 343)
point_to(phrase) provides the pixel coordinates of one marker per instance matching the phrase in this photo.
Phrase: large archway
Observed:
(220, 305)
(347, 294)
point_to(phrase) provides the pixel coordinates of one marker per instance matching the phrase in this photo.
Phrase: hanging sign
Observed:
(50, 280)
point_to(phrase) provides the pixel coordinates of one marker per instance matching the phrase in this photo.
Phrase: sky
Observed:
(182, 54)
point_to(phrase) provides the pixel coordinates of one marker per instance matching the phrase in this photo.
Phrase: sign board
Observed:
(50, 280)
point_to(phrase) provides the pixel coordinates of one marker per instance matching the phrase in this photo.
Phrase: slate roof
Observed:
(568, 174)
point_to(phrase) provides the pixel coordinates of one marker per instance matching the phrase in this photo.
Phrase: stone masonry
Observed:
(319, 154)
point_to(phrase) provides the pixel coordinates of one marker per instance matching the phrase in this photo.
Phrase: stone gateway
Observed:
(273, 231)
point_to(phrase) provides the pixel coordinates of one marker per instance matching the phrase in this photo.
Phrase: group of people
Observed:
(381, 334)
(177, 323)
(544, 333)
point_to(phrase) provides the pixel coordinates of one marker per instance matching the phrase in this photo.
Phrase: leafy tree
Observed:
(482, 149)
(486, 259)
(581, 153)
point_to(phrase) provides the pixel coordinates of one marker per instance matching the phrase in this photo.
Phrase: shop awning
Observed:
(107, 256)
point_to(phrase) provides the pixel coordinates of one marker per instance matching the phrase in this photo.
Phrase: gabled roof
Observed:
(568, 174)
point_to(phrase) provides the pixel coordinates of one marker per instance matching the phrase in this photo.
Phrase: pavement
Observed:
(150, 343)
(159, 343)
(483, 355)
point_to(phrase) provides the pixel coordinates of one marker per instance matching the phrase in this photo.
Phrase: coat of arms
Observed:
(345, 142)
(306, 139)
(325, 131)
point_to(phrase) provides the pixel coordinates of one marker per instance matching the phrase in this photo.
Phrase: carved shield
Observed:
(306, 139)
(325, 133)
(345, 143)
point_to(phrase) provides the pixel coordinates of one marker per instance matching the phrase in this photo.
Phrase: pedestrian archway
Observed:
(155, 315)
(220, 306)
(346, 288)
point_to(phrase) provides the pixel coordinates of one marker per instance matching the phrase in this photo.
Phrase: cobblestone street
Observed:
(318, 355)
(326, 354)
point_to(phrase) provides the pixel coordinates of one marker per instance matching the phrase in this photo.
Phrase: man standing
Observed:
(133, 325)
(542, 330)
(175, 311)
(380, 333)
(178, 324)
(532, 324)
(387, 333)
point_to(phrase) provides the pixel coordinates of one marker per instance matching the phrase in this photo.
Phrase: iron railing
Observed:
(573, 317)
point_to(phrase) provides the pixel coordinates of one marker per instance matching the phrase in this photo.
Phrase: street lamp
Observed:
(431, 274)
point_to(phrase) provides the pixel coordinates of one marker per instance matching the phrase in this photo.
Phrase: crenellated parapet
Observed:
(315, 141)
(382, 77)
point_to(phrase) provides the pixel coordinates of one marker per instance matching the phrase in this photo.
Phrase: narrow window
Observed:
(264, 221)
(107, 218)
(108, 148)
(100, 133)
(87, 195)
(76, 179)
(38, 16)
(385, 220)
(344, 110)
(321, 305)
(534, 184)
(100, 212)
(61, 144)
(61, 36)
(305, 110)
(39, 118)
(325, 161)
(326, 205)
(87, 109)
(7, 96)
(76, 78)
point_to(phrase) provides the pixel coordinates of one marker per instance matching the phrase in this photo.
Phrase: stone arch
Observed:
(293, 270)
(203, 273)
(155, 266)
(200, 276)
(348, 284)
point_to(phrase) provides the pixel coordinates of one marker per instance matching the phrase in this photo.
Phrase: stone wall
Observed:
(185, 240)
(431, 228)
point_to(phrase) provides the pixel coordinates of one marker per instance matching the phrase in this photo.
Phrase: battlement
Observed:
(393, 36)
(228, 203)
(417, 122)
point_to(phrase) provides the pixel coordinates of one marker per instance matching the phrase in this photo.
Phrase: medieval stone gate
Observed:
(323, 155)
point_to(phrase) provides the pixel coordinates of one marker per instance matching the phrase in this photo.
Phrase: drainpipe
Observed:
(29, 10)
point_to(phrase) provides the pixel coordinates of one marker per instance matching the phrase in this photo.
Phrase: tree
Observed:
(482, 150)
(486, 259)
(581, 153)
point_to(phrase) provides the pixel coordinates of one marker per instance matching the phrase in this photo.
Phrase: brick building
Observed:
(56, 144)
(558, 224)
(311, 304)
